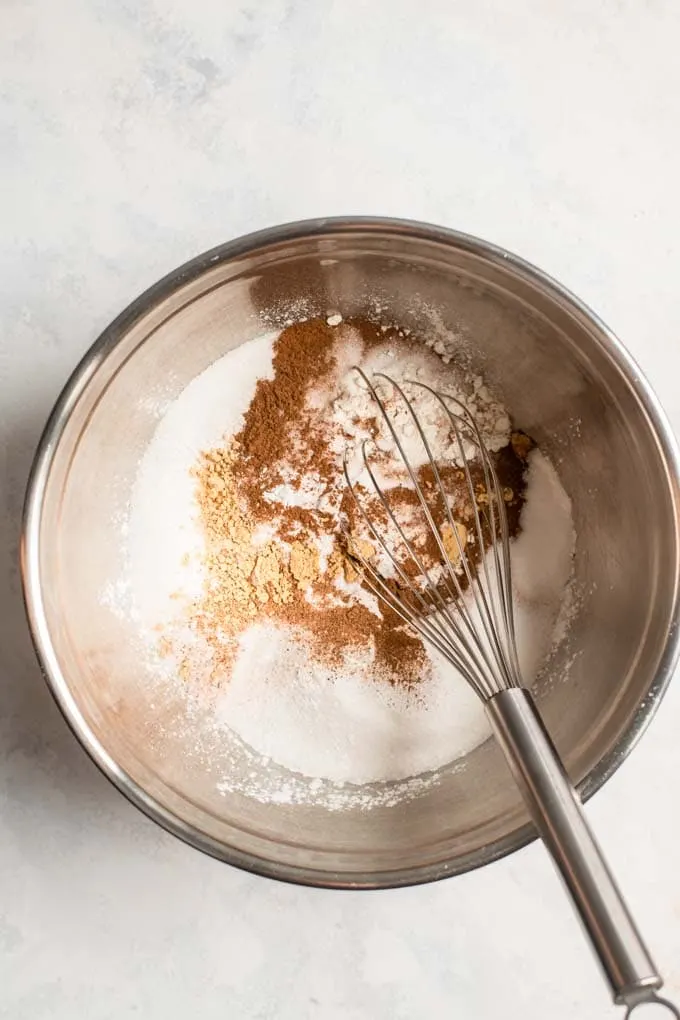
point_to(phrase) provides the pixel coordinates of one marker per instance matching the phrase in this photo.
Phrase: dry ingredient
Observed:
(238, 568)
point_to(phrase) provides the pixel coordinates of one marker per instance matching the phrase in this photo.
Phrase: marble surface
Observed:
(136, 134)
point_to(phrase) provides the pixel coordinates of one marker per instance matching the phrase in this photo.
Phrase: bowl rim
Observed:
(76, 385)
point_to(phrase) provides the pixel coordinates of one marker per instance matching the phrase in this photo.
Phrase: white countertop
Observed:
(134, 135)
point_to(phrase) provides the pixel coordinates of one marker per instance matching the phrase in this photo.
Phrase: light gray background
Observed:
(135, 135)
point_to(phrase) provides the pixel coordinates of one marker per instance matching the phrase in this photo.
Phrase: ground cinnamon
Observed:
(303, 357)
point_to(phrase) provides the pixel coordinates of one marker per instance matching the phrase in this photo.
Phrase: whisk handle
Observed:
(560, 819)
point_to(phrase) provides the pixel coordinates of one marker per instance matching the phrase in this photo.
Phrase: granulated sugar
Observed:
(344, 727)
(308, 674)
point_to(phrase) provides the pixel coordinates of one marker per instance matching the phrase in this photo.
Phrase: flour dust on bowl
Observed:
(197, 609)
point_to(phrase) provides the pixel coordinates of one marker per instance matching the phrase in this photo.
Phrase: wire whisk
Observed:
(453, 585)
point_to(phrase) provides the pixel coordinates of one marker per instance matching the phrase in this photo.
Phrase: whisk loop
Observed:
(463, 607)
(652, 1000)
(468, 617)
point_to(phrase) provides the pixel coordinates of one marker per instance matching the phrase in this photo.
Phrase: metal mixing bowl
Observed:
(567, 381)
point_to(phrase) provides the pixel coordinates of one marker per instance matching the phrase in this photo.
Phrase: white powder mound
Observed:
(542, 552)
(344, 727)
(340, 726)
(413, 372)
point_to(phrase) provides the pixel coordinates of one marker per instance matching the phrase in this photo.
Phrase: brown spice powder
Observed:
(303, 357)
(304, 564)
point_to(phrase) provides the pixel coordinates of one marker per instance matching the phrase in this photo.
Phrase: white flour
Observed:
(284, 705)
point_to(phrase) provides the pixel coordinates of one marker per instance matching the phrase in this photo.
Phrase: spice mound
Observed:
(274, 508)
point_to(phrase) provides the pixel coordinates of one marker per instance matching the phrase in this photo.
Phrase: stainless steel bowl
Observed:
(567, 381)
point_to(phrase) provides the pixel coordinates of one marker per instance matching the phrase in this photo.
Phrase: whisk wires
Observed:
(461, 606)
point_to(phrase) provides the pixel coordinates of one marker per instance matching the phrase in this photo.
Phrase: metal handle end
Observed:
(653, 1000)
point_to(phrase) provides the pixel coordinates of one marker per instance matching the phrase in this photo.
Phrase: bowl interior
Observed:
(556, 371)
